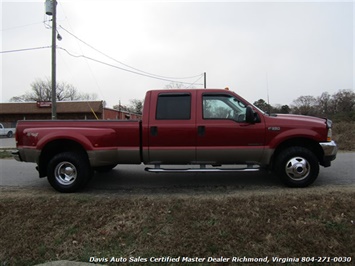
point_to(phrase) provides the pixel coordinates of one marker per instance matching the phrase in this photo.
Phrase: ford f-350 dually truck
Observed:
(206, 130)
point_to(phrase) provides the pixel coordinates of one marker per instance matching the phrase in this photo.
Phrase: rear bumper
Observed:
(16, 155)
(330, 150)
(26, 155)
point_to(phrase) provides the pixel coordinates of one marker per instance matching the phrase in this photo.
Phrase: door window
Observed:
(223, 107)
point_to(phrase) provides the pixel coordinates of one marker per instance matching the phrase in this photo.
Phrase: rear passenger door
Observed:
(172, 128)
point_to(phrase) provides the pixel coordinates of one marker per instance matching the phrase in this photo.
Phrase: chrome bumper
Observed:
(330, 150)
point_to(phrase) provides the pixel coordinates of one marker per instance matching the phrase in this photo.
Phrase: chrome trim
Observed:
(329, 148)
(199, 170)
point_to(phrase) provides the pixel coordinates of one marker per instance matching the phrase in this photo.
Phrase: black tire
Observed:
(69, 171)
(297, 167)
(10, 134)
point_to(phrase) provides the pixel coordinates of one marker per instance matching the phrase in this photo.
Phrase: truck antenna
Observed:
(267, 93)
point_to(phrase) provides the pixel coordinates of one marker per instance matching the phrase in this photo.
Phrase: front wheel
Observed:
(297, 167)
(68, 171)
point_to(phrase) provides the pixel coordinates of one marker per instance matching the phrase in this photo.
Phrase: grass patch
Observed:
(41, 226)
(4, 154)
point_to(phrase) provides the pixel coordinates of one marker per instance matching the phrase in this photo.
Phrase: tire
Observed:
(10, 134)
(69, 172)
(297, 167)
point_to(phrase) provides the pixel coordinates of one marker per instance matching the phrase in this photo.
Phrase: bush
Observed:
(343, 134)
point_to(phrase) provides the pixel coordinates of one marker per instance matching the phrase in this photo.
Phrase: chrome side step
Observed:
(158, 169)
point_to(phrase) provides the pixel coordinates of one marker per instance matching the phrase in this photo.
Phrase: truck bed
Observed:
(107, 142)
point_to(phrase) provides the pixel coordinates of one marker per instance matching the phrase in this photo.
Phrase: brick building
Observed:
(10, 113)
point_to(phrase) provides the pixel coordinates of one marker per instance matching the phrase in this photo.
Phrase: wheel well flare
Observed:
(56, 147)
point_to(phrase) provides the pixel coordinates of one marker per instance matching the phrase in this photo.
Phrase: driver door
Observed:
(223, 135)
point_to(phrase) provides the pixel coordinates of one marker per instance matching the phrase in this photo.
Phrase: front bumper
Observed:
(330, 150)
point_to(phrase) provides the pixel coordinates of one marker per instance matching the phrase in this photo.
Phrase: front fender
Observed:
(296, 133)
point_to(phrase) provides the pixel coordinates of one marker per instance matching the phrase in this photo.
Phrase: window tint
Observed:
(173, 107)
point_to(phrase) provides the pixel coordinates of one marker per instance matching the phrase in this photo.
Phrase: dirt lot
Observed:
(40, 225)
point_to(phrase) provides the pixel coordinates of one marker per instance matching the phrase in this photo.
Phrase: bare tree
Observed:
(135, 106)
(176, 85)
(304, 105)
(344, 101)
(41, 90)
(324, 104)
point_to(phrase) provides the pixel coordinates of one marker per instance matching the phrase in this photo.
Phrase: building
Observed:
(10, 113)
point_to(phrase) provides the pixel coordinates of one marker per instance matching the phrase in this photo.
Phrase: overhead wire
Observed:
(21, 26)
(87, 63)
(128, 70)
(136, 69)
(25, 49)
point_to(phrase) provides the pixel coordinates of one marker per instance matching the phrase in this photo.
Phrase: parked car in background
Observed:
(8, 132)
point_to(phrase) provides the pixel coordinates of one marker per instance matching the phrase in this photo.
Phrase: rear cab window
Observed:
(172, 106)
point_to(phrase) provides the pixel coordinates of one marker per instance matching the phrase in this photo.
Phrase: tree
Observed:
(305, 105)
(285, 109)
(324, 104)
(41, 90)
(135, 106)
(261, 104)
(177, 85)
(344, 101)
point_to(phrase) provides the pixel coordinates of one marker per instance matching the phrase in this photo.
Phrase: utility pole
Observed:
(54, 61)
(204, 80)
(51, 10)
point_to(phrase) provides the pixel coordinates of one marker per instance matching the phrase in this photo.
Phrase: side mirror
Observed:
(251, 116)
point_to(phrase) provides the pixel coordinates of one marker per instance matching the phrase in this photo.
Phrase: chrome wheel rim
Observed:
(65, 173)
(297, 168)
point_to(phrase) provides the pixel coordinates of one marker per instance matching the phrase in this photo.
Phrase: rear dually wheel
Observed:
(69, 171)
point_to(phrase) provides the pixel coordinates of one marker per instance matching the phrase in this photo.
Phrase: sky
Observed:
(279, 50)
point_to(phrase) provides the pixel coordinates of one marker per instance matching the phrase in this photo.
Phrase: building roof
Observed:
(45, 107)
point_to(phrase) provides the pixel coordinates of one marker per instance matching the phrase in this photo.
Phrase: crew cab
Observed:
(205, 130)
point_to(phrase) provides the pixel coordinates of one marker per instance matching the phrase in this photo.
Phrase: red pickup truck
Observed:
(208, 130)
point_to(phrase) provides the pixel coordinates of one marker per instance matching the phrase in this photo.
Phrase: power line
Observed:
(26, 49)
(127, 70)
(136, 69)
(21, 26)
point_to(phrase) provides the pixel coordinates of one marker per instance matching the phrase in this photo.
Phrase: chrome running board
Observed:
(202, 169)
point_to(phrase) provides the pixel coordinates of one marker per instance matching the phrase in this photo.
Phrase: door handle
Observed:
(154, 131)
(201, 130)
